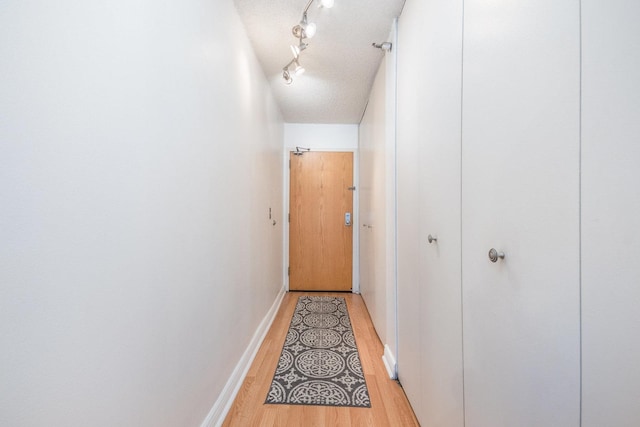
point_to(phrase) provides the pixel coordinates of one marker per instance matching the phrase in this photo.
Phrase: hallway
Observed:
(145, 209)
(389, 405)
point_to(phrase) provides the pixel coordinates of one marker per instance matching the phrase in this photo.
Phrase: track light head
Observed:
(305, 29)
(326, 3)
(298, 32)
(286, 75)
(298, 68)
(309, 29)
(296, 50)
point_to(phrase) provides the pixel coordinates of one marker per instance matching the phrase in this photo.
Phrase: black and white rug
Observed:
(319, 363)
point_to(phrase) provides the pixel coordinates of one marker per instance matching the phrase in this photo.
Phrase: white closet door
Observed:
(520, 195)
(410, 247)
(429, 110)
(611, 213)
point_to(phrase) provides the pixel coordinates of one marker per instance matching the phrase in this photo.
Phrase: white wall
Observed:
(610, 213)
(373, 206)
(140, 151)
(378, 205)
(322, 137)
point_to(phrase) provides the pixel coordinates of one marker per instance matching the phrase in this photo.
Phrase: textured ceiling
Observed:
(340, 62)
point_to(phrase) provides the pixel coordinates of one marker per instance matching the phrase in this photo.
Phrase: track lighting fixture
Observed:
(309, 28)
(287, 76)
(302, 31)
(296, 50)
(298, 69)
(287, 73)
(305, 29)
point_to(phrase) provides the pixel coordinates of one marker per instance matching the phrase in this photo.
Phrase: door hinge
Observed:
(288, 271)
(289, 164)
(288, 217)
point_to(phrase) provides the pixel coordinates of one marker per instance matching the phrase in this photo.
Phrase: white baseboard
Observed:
(221, 407)
(390, 363)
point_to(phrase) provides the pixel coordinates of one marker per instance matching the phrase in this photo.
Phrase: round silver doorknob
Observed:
(432, 239)
(494, 255)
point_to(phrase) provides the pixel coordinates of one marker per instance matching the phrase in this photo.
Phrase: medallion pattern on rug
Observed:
(319, 363)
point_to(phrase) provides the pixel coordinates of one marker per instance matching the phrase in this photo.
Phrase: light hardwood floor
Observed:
(389, 405)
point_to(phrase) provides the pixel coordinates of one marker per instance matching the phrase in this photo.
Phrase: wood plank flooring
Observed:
(389, 405)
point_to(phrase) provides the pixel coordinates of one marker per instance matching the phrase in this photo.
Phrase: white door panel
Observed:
(520, 188)
(429, 109)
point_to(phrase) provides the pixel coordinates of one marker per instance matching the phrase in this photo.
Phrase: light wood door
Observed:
(320, 241)
(520, 195)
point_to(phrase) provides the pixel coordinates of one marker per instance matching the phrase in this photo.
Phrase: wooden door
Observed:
(320, 240)
(520, 195)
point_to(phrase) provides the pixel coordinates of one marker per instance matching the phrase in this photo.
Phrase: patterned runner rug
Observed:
(319, 363)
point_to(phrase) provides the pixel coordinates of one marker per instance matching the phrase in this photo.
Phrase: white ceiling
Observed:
(340, 62)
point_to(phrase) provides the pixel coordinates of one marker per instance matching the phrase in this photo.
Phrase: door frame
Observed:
(355, 276)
